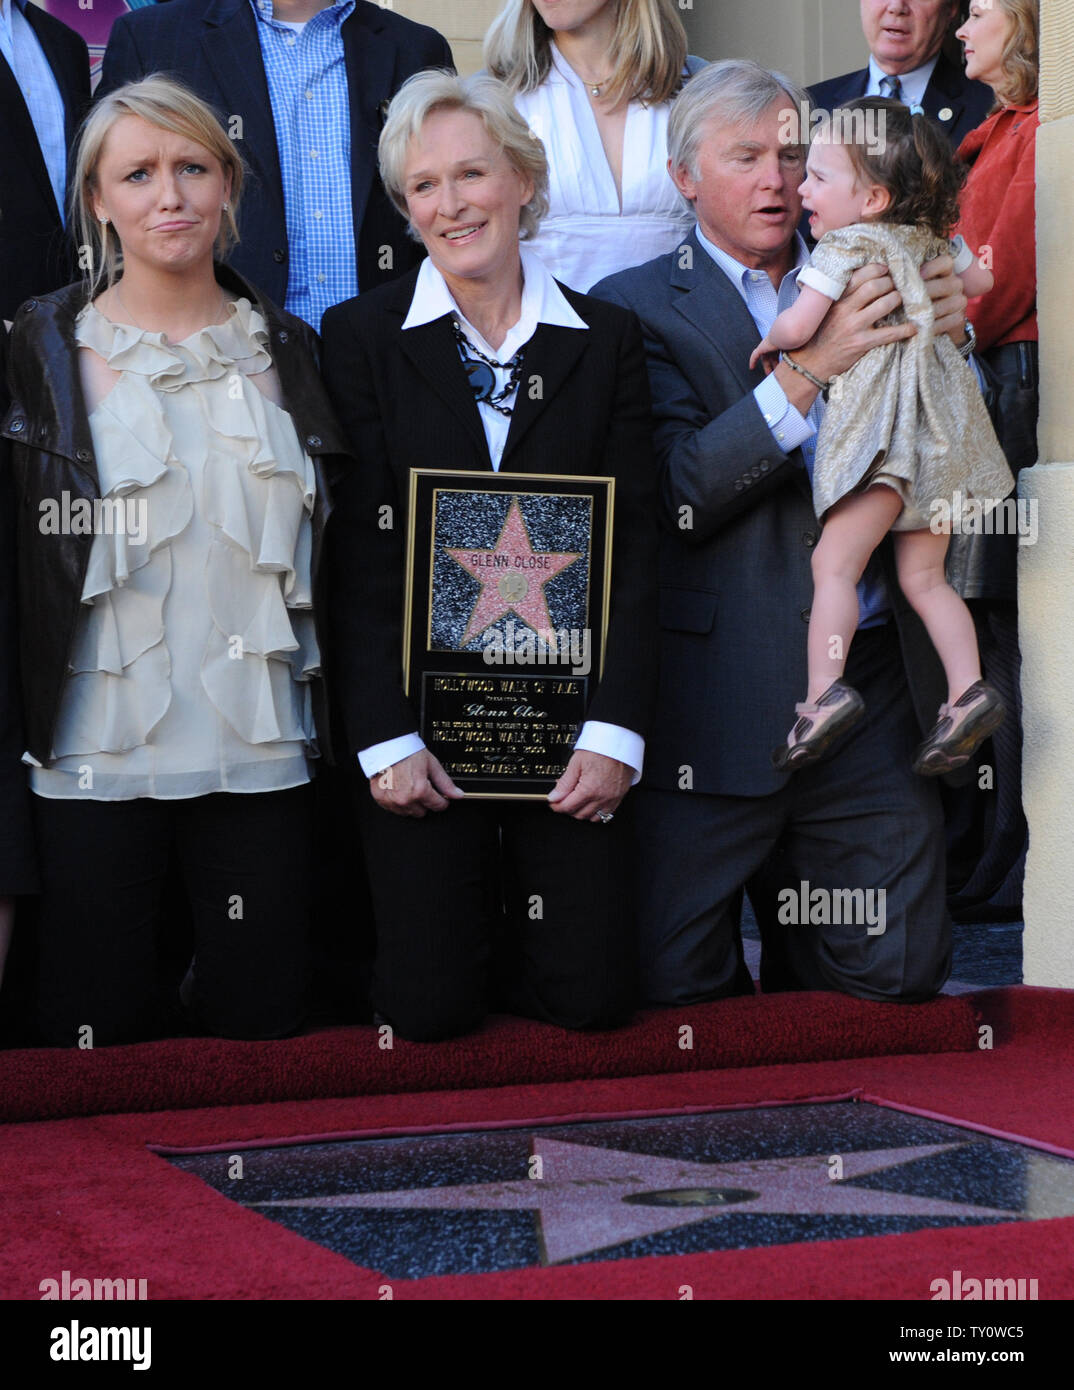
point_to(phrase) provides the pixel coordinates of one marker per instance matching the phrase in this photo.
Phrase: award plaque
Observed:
(506, 612)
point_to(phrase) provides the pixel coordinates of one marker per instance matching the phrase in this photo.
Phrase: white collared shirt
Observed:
(913, 83)
(542, 302)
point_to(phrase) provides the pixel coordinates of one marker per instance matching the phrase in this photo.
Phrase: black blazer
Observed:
(18, 866)
(739, 529)
(950, 90)
(35, 255)
(213, 46)
(405, 402)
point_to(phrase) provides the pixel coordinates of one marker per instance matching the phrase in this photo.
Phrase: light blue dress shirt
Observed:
(913, 83)
(306, 71)
(40, 91)
(789, 428)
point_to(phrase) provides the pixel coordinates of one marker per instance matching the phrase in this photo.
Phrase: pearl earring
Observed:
(103, 221)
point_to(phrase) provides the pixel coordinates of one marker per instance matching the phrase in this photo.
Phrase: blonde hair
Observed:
(1021, 53)
(482, 96)
(167, 104)
(646, 57)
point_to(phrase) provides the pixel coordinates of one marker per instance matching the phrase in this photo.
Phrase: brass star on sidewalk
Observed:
(589, 1199)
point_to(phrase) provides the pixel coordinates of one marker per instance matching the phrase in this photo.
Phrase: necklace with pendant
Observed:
(482, 378)
(594, 88)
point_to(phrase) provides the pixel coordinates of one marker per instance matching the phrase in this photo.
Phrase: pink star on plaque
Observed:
(512, 576)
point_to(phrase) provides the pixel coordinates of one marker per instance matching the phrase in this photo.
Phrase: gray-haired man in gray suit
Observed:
(844, 860)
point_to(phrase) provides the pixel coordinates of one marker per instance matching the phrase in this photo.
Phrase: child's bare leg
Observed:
(919, 559)
(853, 529)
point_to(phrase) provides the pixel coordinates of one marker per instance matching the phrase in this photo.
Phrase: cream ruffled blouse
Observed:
(190, 667)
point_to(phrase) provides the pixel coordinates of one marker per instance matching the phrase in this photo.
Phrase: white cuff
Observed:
(962, 254)
(614, 742)
(786, 424)
(596, 737)
(823, 284)
(378, 756)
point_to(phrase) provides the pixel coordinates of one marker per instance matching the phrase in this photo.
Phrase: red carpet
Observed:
(87, 1195)
(44, 1083)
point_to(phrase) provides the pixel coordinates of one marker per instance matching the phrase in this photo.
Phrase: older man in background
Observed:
(907, 62)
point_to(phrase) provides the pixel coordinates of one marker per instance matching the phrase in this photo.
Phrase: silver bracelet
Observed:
(969, 347)
(804, 371)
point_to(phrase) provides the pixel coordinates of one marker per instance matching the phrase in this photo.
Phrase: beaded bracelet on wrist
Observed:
(804, 371)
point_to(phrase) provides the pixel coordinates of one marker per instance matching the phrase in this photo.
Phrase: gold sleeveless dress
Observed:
(908, 414)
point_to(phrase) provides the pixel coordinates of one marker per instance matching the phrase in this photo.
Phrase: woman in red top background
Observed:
(998, 222)
(1001, 38)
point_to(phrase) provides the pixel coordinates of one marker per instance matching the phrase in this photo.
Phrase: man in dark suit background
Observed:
(733, 447)
(299, 83)
(44, 90)
(907, 61)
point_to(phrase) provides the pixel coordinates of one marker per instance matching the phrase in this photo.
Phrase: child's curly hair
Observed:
(914, 163)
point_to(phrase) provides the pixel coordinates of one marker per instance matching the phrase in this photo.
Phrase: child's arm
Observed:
(976, 279)
(796, 325)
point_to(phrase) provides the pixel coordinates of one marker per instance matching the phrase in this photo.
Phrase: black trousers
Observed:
(245, 861)
(499, 904)
(987, 832)
(859, 820)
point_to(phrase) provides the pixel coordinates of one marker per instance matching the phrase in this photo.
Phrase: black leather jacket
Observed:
(52, 453)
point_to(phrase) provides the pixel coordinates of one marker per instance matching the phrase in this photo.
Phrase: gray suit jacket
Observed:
(737, 531)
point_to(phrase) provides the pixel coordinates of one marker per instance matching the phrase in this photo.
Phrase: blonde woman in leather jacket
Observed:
(170, 444)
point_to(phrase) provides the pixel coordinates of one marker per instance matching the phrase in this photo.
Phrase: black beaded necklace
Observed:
(482, 378)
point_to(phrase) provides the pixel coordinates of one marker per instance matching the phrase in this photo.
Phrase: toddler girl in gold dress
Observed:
(905, 436)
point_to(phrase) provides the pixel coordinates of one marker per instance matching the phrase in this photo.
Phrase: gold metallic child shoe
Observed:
(960, 730)
(819, 727)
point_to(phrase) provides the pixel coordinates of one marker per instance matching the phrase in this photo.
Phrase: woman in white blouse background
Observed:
(594, 80)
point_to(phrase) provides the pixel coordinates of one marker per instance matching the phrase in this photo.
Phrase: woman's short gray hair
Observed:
(485, 97)
(737, 92)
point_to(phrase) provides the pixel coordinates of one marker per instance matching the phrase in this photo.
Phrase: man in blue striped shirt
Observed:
(301, 86)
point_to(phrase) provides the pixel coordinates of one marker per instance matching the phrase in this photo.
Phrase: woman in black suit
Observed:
(542, 889)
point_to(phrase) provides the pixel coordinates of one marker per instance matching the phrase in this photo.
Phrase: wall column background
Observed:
(1046, 569)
